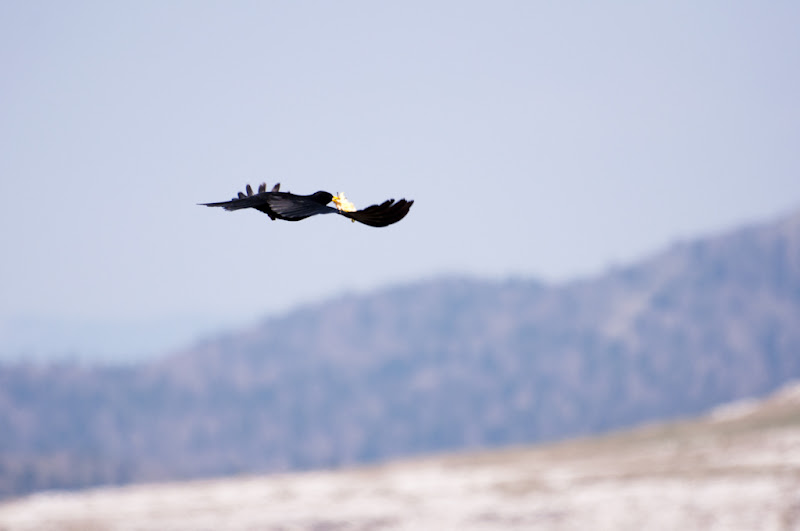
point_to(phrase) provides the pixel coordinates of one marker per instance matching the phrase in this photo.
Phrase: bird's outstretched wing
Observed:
(250, 200)
(381, 215)
(292, 207)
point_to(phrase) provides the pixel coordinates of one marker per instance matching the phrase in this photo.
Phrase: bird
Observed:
(293, 207)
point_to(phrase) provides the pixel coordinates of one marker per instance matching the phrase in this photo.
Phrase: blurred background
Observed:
(606, 230)
(551, 141)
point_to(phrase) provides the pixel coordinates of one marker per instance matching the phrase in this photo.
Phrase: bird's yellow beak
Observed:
(343, 204)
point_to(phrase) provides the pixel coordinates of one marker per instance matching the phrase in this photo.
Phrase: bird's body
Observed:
(293, 207)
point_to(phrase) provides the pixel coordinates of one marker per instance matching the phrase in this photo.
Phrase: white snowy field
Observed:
(738, 468)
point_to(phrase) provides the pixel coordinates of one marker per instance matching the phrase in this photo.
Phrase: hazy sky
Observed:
(538, 139)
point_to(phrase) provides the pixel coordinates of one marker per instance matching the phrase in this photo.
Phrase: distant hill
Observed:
(737, 468)
(447, 364)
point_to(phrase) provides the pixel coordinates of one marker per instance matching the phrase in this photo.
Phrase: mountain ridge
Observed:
(433, 366)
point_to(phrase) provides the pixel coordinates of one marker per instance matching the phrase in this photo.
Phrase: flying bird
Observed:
(292, 207)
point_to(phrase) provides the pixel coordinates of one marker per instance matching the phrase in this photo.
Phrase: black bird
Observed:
(292, 207)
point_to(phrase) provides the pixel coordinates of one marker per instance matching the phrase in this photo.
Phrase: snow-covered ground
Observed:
(739, 468)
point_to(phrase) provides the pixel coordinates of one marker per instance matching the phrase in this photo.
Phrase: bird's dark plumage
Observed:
(292, 207)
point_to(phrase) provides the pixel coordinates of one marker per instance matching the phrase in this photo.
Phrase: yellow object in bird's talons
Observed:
(343, 204)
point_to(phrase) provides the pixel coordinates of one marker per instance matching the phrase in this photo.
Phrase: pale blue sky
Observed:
(548, 140)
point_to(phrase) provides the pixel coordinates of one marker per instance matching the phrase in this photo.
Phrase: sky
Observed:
(546, 140)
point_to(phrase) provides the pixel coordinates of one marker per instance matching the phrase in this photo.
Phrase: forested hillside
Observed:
(439, 365)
